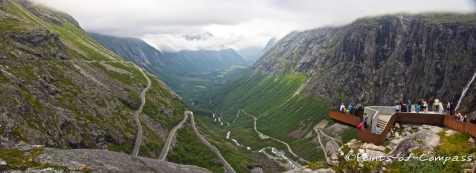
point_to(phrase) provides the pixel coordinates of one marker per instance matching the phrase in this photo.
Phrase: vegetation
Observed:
(17, 159)
(278, 110)
(191, 151)
(90, 107)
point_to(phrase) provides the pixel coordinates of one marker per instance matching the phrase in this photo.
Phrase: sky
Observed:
(235, 24)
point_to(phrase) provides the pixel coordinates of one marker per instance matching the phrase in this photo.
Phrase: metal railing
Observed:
(430, 119)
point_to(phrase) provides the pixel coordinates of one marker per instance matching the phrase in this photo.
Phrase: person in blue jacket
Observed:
(349, 108)
(377, 129)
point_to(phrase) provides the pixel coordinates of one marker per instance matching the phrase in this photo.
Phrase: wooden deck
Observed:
(422, 118)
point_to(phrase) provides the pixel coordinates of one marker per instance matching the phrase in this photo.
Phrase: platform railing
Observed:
(421, 118)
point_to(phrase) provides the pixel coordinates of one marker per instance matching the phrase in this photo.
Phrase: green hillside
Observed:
(62, 89)
(279, 108)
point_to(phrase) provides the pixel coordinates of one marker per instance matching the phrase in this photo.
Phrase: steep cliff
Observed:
(379, 60)
(60, 88)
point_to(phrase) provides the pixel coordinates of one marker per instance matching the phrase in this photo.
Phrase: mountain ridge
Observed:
(372, 47)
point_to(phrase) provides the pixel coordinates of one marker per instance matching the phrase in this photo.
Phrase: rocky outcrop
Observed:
(107, 161)
(39, 42)
(378, 60)
(84, 160)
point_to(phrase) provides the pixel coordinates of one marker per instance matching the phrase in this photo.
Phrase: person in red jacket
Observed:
(359, 126)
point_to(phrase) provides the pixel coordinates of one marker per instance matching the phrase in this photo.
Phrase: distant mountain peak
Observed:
(198, 37)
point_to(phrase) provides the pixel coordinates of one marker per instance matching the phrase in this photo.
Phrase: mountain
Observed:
(253, 53)
(382, 59)
(60, 89)
(189, 73)
(373, 61)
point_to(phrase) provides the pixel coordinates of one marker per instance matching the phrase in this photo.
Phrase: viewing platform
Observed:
(385, 117)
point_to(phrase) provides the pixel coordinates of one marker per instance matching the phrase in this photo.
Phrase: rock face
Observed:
(107, 161)
(61, 89)
(379, 60)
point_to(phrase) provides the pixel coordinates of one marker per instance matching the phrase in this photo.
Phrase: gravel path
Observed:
(136, 115)
(164, 152)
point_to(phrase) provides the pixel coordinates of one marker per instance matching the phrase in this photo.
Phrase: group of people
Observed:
(348, 110)
(460, 117)
(420, 105)
(424, 105)
(363, 124)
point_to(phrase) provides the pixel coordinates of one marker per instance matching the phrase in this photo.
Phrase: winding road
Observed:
(136, 115)
(164, 152)
(263, 136)
(227, 166)
(319, 131)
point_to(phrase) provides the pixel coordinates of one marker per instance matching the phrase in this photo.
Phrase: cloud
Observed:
(234, 24)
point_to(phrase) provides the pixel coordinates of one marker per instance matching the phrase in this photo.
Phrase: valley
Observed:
(68, 93)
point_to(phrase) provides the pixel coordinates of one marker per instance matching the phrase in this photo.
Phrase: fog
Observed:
(232, 24)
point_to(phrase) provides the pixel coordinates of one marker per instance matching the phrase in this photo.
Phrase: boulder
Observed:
(406, 125)
(322, 170)
(397, 125)
(401, 150)
(450, 132)
(429, 138)
(415, 127)
(374, 154)
(407, 133)
(333, 160)
(471, 141)
(3, 162)
(434, 129)
(371, 146)
(354, 143)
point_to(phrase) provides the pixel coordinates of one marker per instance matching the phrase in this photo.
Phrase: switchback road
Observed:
(166, 148)
(136, 115)
(227, 166)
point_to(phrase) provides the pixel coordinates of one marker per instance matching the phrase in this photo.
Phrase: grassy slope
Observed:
(264, 96)
(82, 48)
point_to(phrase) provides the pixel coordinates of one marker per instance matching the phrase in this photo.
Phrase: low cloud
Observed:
(233, 24)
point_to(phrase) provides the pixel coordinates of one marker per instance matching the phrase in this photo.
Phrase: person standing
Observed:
(342, 108)
(425, 106)
(448, 107)
(418, 106)
(409, 105)
(430, 104)
(397, 107)
(365, 121)
(350, 109)
(359, 126)
(437, 104)
(357, 110)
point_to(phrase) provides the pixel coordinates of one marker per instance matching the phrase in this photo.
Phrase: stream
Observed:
(275, 151)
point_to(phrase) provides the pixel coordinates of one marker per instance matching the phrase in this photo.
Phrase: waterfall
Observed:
(465, 89)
